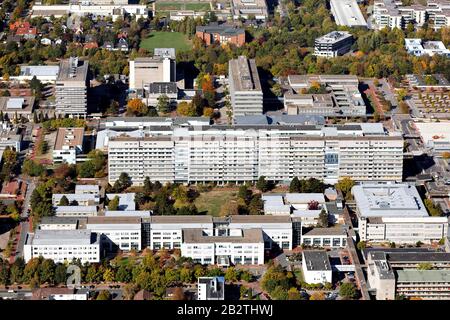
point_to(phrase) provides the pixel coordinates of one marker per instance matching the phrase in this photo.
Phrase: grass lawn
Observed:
(166, 6)
(212, 201)
(161, 39)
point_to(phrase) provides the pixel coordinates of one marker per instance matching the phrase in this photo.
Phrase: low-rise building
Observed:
(222, 34)
(419, 48)
(75, 211)
(211, 288)
(20, 107)
(347, 13)
(316, 267)
(63, 245)
(333, 44)
(325, 237)
(68, 145)
(58, 223)
(75, 199)
(59, 294)
(42, 73)
(423, 284)
(380, 276)
(126, 200)
(88, 189)
(247, 9)
(123, 233)
(239, 247)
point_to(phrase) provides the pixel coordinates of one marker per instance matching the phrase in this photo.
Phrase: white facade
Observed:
(76, 211)
(236, 154)
(419, 48)
(316, 267)
(81, 199)
(63, 245)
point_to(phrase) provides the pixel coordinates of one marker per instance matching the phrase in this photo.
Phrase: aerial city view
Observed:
(229, 150)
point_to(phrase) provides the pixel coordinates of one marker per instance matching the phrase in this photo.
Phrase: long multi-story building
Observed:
(63, 245)
(221, 154)
(245, 87)
(71, 88)
(395, 213)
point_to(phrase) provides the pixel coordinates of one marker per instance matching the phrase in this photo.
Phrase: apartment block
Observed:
(333, 44)
(63, 245)
(71, 88)
(419, 48)
(245, 87)
(221, 154)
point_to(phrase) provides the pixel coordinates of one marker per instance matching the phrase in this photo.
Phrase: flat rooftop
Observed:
(410, 275)
(434, 131)
(181, 219)
(260, 219)
(334, 36)
(245, 74)
(69, 138)
(62, 237)
(418, 257)
(73, 69)
(113, 220)
(58, 220)
(39, 71)
(347, 13)
(336, 231)
(247, 236)
(20, 104)
(224, 30)
(388, 200)
(316, 260)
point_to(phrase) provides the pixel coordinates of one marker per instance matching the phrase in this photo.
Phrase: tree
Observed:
(348, 290)
(425, 266)
(104, 295)
(256, 205)
(294, 294)
(317, 296)
(113, 205)
(63, 201)
(323, 219)
(87, 169)
(446, 155)
(279, 293)
(229, 208)
(163, 105)
(178, 294)
(148, 186)
(231, 274)
(186, 109)
(245, 193)
(361, 245)
(123, 182)
(295, 185)
(345, 185)
(262, 185)
(433, 209)
(136, 107)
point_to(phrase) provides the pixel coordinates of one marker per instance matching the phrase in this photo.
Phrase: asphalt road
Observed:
(24, 225)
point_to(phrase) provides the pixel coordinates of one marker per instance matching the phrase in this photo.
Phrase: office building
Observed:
(435, 136)
(58, 223)
(88, 189)
(159, 68)
(71, 88)
(395, 213)
(211, 288)
(247, 8)
(68, 145)
(117, 233)
(76, 211)
(333, 44)
(316, 267)
(239, 247)
(42, 73)
(76, 199)
(60, 294)
(245, 87)
(126, 200)
(340, 96)
(380, 276)
(19, 106)
(221, 154)
(347, 13)
(325, 237)
(63, 245)
(419, 48)
(222, 34)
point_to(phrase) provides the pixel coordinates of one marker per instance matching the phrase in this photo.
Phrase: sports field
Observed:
(161, 39)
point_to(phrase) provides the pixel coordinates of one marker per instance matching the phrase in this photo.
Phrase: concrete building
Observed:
(88, 189)
(380, 276)
(245, 87)
(248, 8)
(158, 89)
(76, 211)
(63, 245)
(419, 48)
(60, 294)
(223, 34)
(395, 213)
(224, 154)
(71, 88)
(341, 97)
(347, 13)
(239, 247)
(20, 107)
(435, 136)
(326, 237)
(117, 233)
(211, 288)
(58, 223)
(180, 15)
(126, 200)
(333, 44)
(79, 199)
(159, 68)
(68, 145)
(424, 284)
(42, 73)
(316, 267)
